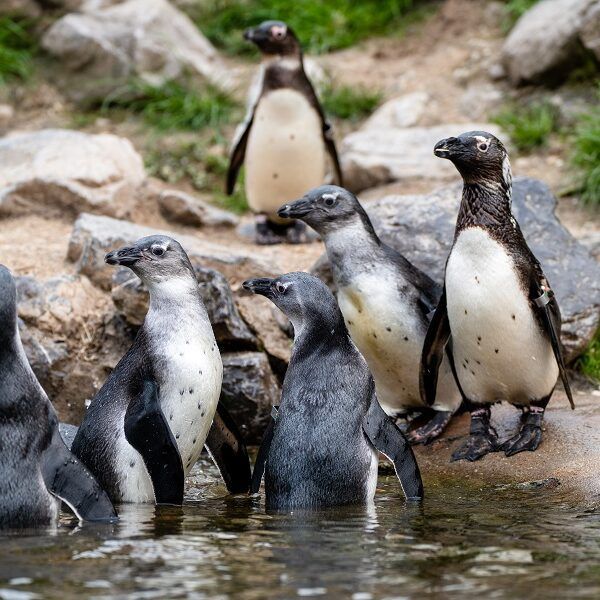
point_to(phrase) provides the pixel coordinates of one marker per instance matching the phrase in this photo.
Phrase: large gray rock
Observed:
(373, 155)
(179, 207)
(101, 48)
(63, 172)
(590, 30)
(545, 43)
(249, 390)
(422, 228)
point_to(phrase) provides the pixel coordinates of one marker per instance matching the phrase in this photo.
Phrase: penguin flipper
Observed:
(70, 481)
(261, 457)
(147, 430)
(432, 355)
(238, 153)
(389, 440)
(227, 449)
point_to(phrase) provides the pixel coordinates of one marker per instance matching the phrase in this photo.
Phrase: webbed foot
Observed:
(530, 435)
(425, 434)
(483, 438)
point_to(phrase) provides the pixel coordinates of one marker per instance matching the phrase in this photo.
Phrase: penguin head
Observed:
(8, 302)
(479, 156)
(327, 208)
(274, 38)
(153, 259)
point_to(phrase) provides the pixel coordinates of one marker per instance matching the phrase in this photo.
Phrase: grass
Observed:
(513, 10)
(586, 159)
(589, 362)
(321, 25)
(349, 102)
(17, 48)
(530, 126)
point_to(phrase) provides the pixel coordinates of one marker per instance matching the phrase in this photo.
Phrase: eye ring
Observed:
(158, 251)
(483, 147)
(280, 288)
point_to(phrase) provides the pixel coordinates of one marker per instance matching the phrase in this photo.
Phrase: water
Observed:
(462, 542)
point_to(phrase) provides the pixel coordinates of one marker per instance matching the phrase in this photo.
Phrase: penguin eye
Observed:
(483, 146)
(329, 200)
(158, 250)
(281, 288)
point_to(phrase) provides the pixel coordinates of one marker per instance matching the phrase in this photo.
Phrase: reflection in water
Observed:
(460, 543)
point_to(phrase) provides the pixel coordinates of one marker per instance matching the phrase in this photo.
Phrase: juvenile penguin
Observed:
(497, 310)
(146, 427)
(284, 136)
(37, 470)
(386, 302)
(321, 450)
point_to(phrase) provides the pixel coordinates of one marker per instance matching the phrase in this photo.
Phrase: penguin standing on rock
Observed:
(37, 470)
(285, 135)
(321, 448)
(146, 427)
(386, 302)
(497, 313)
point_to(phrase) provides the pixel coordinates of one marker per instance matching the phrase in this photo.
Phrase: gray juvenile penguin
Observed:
(386, 302)
(284, 137)
(497, 310)
(321, 450)
(146, 427)
(37, 470)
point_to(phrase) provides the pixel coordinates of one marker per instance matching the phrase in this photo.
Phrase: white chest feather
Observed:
(285, 155)
(499, 350)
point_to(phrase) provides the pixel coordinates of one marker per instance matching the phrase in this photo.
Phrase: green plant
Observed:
(17, 48)
(589, 362)
(528, 127)
(348, 102)
(513, 10)
(586, 156)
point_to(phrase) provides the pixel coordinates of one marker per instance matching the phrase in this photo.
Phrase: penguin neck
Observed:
(175, 296)
(320, 330)
(485, 204)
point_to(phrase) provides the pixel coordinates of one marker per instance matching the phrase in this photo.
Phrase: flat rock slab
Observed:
(179, 207)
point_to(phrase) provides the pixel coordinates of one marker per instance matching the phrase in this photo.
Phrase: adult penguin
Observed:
(284, 137)
(146, 427)
(37, 470)
(498, 309)
(386, 302)
(322, 448)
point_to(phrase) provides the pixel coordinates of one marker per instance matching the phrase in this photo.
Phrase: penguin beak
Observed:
(260, 286)
(295, 210)
(126, 256)
(444, 148)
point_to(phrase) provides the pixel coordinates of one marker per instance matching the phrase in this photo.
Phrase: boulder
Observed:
(590, 30)
(179, 207)
(104, 46)
(58, 172)
(93, 236)
(373, 156)
(544, 44)
(249, 391)
(403, 111)
(422, 228)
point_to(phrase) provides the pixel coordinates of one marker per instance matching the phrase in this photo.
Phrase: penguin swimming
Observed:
(321, 450)
(385, 301)
(146, 427)
(37, 470)
(284, 136)
(497, 311)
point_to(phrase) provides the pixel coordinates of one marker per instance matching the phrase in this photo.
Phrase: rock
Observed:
(179, 207)
(544, 44)
(403, 111)
(591, 241)
(56, 172)
(374, 156)
(480, 100)
(20, 8)
(93, 236)
(249, 391)
(590, 30)
(422, 228)
(102, 48)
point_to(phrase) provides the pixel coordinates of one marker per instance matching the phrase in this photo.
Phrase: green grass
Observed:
(321, 25)
(17, 48)
(349, 102)
(589, 362)
(586, 158)
(530, 126)
(513, 10)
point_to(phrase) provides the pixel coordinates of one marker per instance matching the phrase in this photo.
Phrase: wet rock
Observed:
(179, 207)
(403, 111)
(62, 172)
(103, 47)
(544, 44)
(422, 228)
(550, 483)
(249, 391)
(93, 236)
(373, 156)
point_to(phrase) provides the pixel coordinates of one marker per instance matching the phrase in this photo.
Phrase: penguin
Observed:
(322, 448)
(498, 313)
(146, 427)
(386, 302)
(284, 137)
(37, 471)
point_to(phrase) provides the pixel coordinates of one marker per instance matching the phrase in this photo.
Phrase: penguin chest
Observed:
(499, 350)
(387, 329)
(285, 155)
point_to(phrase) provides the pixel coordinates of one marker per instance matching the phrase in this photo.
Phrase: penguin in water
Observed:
(497, 309)
(386, 302)
(322, 447)
(146, 427)
(284, 136)
(37, 470)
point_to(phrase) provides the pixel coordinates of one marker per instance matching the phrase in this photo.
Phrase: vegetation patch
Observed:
(349, 102)
(17, 48)
(530, 126)
(514, 10)
(589, 362)
(586, 159)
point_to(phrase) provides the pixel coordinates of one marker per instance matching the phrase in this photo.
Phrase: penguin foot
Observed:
(298, 234)
(268, 233)
(476, 447)
(528, 438)
(430, 430)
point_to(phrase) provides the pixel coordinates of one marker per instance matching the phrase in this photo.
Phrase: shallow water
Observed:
(460, 543)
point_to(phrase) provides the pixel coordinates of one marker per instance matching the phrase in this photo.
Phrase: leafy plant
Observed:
(589, 362)
(17, 48)
(529, 127)
(348, 102)
(586, 158)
